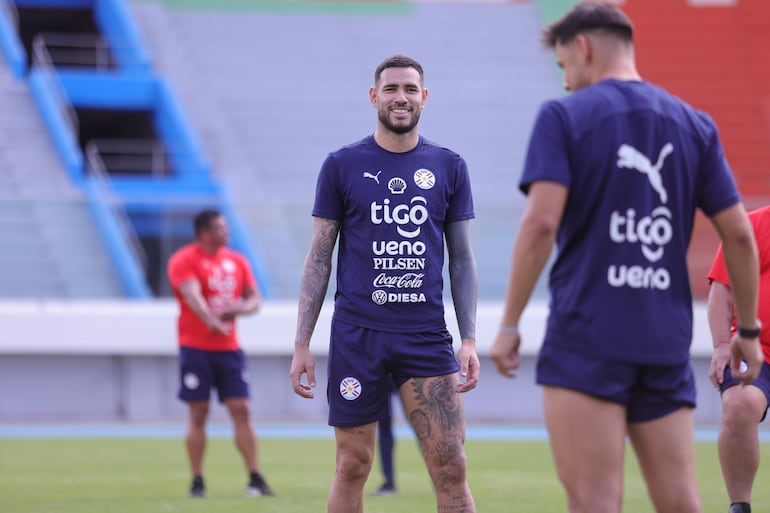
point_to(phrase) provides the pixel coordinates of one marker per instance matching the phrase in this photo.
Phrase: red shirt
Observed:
(760, 220)
(222, 278)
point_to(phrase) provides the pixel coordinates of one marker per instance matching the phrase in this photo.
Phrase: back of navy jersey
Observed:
(637, 162)
(392, 209)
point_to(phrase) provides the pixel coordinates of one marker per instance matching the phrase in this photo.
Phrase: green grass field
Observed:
(129, 475)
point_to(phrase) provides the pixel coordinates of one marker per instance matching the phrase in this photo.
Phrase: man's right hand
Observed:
(719, 360)
(746, 350)
(505, 353)
(302, 363)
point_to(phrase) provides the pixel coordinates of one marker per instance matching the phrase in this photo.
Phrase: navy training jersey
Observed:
(637, 162)
(392, 209)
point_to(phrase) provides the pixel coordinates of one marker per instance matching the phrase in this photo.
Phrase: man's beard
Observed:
(399, 129)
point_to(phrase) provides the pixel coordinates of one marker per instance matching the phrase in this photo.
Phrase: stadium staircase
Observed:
(125, 144)
(50, 246)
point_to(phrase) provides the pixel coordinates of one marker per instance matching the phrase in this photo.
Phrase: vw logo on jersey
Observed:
(350, 388)
(424, 178)
(191, 381)
(379, 297)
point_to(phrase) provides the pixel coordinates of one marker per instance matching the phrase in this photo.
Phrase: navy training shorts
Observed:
(200, 371)
(647, 392)
(360, 359)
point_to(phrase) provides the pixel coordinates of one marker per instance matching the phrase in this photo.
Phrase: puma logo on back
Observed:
(631, 158)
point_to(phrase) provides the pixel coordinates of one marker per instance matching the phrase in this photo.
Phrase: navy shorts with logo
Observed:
(762, 382)
(199, 371)
(361, 359)
(647, 391)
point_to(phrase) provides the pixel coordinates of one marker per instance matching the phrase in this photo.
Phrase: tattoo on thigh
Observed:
(420, 424)
(446, 450)
(440, 401)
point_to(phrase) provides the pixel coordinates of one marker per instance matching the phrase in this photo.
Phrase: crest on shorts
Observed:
(350, 388)
(191, 381)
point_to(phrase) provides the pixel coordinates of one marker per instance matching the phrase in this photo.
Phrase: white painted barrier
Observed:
(148, 328)
(116, 360)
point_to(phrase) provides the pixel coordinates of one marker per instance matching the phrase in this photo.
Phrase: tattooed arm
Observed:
(464, 283)
(315, 281)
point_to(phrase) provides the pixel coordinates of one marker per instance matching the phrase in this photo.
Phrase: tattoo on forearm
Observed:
(315, 278)
(466, 317)
(465, 295)
(463, 277)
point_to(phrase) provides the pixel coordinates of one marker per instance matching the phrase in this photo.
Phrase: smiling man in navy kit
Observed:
(392, 199)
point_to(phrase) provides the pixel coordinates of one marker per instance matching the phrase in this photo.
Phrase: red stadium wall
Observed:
(713, 57)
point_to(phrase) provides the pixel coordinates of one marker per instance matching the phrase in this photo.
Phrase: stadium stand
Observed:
(271, 87)
(276, 103)
(120, 133)
(284, 86)
(44, 218)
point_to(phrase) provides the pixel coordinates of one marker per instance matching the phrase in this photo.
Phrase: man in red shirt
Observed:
(743, 407)
(214, 284)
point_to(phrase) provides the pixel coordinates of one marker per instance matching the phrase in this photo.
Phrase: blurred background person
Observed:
(743, 407)
(213, 285)
(386, 443)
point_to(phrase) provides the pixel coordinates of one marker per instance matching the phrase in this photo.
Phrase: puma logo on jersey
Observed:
(631, 158)
(376, 177)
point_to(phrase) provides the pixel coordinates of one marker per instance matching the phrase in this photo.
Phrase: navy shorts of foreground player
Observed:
(360, 360)
(648, 392)
(762, 382)
(199, 371)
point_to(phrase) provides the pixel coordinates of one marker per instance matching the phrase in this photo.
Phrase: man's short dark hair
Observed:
(585, 16)
(204, 218)
(397, 61)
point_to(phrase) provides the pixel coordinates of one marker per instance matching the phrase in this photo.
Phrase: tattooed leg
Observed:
(436, 412)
